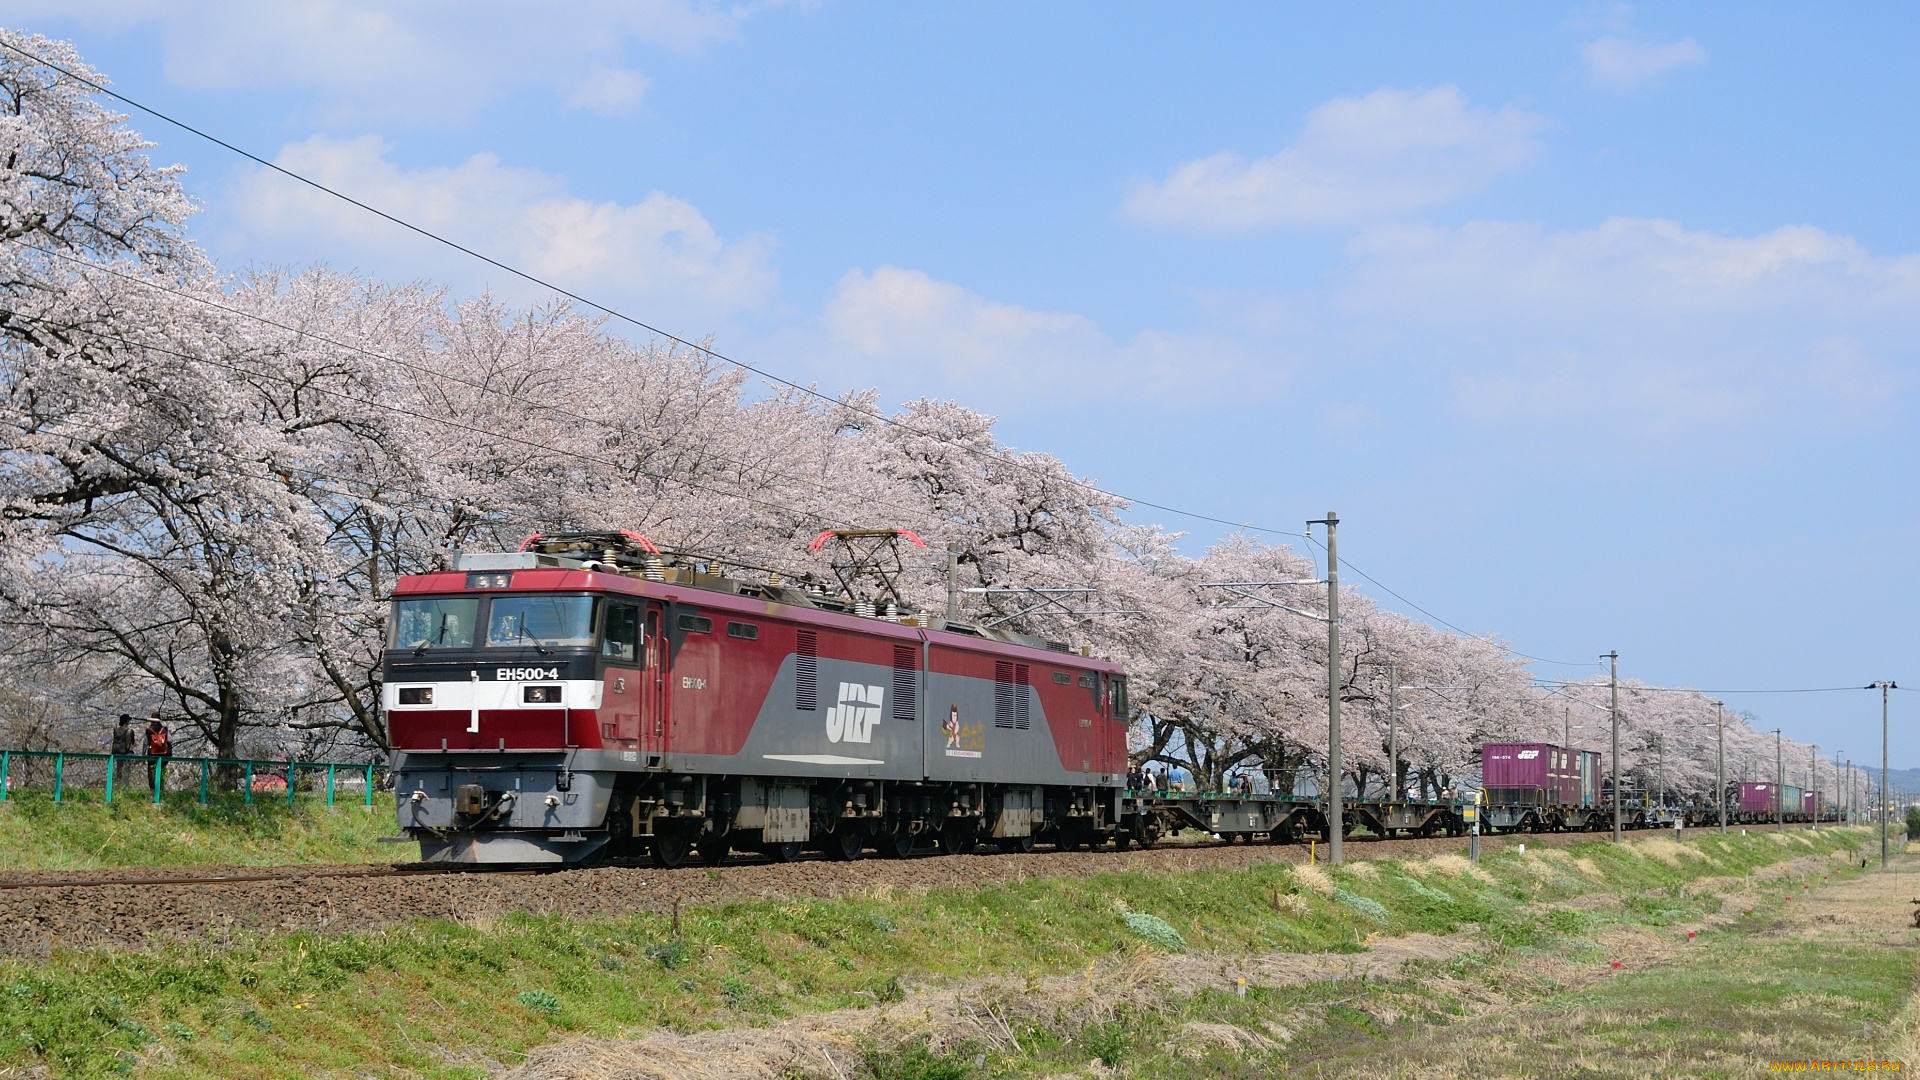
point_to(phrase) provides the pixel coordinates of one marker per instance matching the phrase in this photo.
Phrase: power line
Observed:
(1694, 690)
(477, 385)
(430, 418)
(392, 486)
(611, 312)
(424, 369)
(621, 316)
(1348, 563)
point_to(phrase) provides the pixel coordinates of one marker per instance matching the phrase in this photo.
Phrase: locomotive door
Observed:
(621, 690)
(1109, 729)
(653, 698)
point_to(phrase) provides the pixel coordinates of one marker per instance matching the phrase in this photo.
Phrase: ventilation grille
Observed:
(1010, 695)
(906, 685)
(806, 671)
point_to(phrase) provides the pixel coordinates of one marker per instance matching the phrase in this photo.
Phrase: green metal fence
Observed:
(69, 770)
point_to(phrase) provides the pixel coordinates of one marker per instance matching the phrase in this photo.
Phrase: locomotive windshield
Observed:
(541, 620)
(445, 623)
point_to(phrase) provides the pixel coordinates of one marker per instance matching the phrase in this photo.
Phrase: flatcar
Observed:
(589, 697)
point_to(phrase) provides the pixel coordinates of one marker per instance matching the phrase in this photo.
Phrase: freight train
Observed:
(592, 697)
(1541, 787)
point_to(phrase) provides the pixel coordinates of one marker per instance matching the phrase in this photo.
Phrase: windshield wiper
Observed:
(541, 649)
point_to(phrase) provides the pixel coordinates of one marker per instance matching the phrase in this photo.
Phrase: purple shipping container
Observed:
(1533, 774)
(1810, 801)
(1756, 798)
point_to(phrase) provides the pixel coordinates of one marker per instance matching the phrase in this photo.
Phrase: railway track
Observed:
(1361, 843)
(292, 875)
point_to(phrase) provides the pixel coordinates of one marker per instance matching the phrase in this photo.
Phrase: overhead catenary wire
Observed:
(606, 309)
(414, 414)
(1348, 563)
(1696, 690)
(532, 444)
(424, 369)
(621, 316)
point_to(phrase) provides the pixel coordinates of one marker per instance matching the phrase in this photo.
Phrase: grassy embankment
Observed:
(450, 1000)
(83, 833)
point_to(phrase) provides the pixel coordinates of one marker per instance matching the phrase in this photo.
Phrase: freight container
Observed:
(1790, 796)
(1756, 798)
(1515, 774)
(1538, 774)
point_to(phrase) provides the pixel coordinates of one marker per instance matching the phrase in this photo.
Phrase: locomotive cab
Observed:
(504, 686)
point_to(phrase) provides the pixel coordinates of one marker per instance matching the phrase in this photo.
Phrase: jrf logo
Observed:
(852, 720)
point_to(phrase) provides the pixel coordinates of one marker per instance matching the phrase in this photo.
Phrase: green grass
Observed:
(83, 833)
(440, 999)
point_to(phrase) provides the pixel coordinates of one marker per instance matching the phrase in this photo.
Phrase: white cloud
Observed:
(896, 321)
(610, 91)
(430, 60)
(659, 254)
(1359, 158)
(1624, 63)
(1641, 323)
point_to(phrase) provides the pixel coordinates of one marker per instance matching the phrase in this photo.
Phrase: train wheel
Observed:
(957, 838)
(1016, 845)
(895, 845)
(781, 852)
(714, 852)
(845, 843)
(671, 849)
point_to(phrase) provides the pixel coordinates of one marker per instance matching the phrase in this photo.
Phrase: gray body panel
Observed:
(789, 741)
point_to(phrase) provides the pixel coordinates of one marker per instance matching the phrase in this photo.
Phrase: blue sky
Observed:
(1595, 323)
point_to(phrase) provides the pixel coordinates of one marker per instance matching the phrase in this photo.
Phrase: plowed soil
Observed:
(37, 919)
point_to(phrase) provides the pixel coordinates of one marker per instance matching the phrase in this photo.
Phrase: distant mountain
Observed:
(1901, 780)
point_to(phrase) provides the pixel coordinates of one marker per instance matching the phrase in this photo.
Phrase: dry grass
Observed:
(1312, 877)
(1452, 866)
(1365, 871)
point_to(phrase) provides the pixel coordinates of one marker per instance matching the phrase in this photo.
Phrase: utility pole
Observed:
(1779, 784)
(953, 586)
(1883, 687)
(1720, 762)
(1567, 722)
(1335, 852)
(1813, 782)
(1393, 732)
(1613, 710)
(1660, 768)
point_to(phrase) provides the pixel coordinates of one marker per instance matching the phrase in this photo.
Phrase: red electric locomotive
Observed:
(589, 696)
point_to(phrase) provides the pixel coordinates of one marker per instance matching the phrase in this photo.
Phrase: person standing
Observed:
(159, 746)
(122, 747)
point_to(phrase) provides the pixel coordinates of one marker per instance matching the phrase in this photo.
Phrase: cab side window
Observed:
(621, 641)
